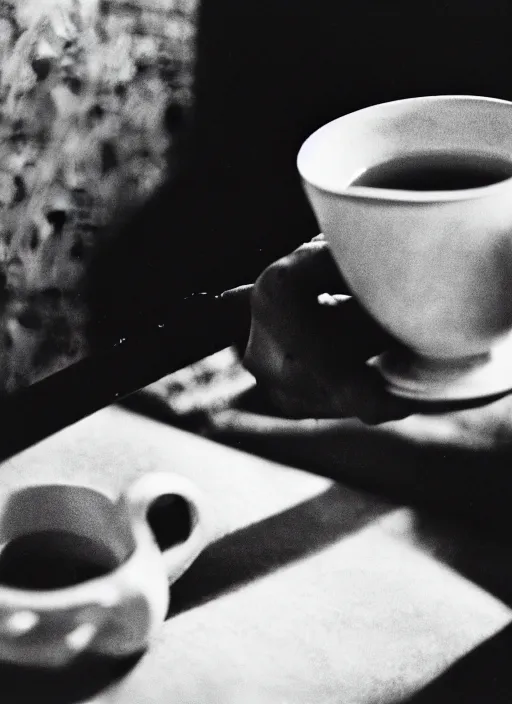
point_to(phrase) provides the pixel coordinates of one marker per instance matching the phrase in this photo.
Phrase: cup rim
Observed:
(396, 195)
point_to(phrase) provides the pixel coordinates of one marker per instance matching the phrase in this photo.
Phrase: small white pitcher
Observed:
(116, 613)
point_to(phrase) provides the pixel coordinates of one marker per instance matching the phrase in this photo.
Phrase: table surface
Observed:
(312, 593)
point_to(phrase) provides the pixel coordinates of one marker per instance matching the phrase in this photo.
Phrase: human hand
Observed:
(329, 412)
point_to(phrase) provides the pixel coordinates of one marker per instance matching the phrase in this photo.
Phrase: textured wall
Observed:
(90, 96)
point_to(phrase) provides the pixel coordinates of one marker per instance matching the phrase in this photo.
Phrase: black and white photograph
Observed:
(255, 352)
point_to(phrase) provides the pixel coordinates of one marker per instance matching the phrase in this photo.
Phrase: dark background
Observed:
(267, 75)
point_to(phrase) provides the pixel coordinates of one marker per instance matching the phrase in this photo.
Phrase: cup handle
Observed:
(154, 485)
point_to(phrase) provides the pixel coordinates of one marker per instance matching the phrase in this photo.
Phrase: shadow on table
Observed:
(481, 677)
(480, 557)
(84, 679)
(234, 560)
(263, 547)
(461, 496)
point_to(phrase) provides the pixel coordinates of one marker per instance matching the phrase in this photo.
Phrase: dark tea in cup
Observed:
(436, 171)
(54, 559)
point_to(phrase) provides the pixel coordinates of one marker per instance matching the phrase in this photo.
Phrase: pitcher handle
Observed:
(150, 487)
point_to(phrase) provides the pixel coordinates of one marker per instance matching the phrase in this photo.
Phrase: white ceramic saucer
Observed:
(419, 378)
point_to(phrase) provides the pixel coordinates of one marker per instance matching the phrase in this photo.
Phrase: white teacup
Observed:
(433, 267)
(109, 579)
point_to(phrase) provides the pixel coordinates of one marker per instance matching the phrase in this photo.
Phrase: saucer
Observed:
(419, 378)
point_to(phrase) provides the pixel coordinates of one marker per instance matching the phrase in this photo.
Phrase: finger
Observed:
(238, 300)
(310, 354)
(289, 299)
(314, 363)
(243, 293)
(315, 274)
(308, 271)
(344, 329)
(356, 392)
(240, 294)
